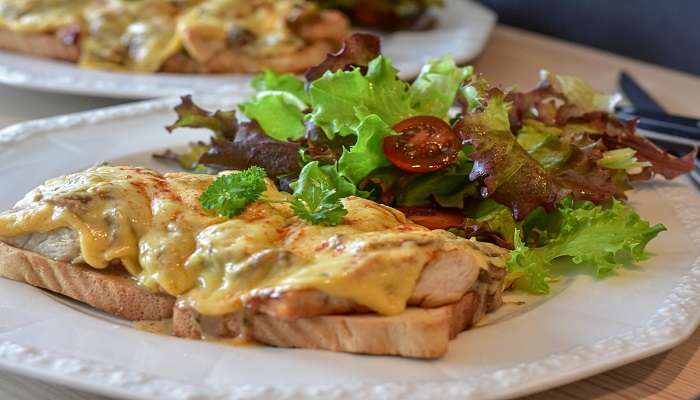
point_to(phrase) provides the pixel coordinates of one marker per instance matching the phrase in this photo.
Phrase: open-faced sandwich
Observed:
(233, 257)
(187, 36)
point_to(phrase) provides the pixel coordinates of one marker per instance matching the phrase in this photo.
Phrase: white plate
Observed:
(462, 31)
(586, 327)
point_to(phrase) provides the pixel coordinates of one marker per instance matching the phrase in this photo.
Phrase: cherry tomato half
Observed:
(425, 144)
(434, 218)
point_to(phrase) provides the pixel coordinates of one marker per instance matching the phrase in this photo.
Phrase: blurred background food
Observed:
(388, 15)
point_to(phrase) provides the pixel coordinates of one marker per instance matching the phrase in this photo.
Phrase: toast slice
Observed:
(111, 290)
(49, 45)
(417, 332)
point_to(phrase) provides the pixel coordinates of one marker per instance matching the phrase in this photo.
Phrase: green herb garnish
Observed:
(317, 194)
(230, 194)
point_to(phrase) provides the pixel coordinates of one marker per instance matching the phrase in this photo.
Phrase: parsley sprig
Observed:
(317, 194)
(230, 194)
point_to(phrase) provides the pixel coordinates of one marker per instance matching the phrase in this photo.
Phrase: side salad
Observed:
(542, 172)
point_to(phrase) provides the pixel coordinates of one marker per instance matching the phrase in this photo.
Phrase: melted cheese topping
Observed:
(131, 35)
(154, 226)
(133, 216)
(40, 15)
(213, 22)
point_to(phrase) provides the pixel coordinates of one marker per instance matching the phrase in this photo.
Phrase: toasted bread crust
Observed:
(109, 290)
(47, 45)
(417, 332)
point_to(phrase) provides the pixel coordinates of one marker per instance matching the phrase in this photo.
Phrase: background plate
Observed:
(585, 327)
(462, 31)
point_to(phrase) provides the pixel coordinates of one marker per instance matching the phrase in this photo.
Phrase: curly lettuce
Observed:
(289, 83)
(602, 237)
(367, 105)
(435, 89)
(341, 100)
(279, 113)
(367, 154)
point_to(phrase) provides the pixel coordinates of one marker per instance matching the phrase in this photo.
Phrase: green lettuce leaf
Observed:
(544, 144)
(448, 188)
(367, 154)
(188, 159)
(341, 100)
(602, 237)
(435, 89)
(368, 105)
(490, 217)
(579, 94)
(269, 80)
(279, 113)
(623, 159)
(327, 176)
(474, 93)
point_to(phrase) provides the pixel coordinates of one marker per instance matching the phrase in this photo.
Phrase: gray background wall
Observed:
(664, 32)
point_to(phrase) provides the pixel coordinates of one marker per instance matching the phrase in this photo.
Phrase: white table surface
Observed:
(17, 105)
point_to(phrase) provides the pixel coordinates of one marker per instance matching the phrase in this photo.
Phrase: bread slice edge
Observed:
(417, 332)
(110, 290)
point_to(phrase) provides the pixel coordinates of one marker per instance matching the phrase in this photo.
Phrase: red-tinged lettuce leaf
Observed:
(357, 51)
(222, 123)
(252, 147)
(522, 106)
(574, 107)
(557, 98)
(617, 134)
(571, 160)
(622, 134)
(318, 147)
(509, 174)
(233, 145)
(188, 160)
(489, 221)
(581, 178)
